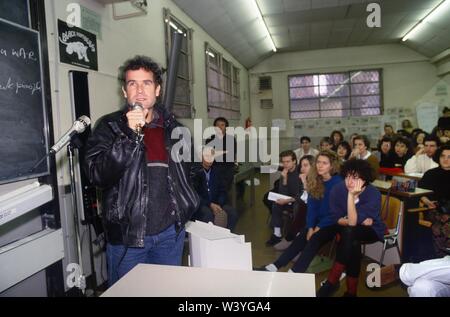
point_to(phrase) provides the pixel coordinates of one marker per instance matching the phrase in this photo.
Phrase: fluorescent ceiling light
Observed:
(210, 54)
(420, 24)
(265, 26)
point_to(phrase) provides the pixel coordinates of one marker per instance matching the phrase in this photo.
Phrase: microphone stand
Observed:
(81, 283)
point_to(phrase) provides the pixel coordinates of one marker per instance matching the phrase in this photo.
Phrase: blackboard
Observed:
(23, 121)
(15, 11)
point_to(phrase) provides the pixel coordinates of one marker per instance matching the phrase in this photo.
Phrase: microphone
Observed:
(138, 106)
(78, 127)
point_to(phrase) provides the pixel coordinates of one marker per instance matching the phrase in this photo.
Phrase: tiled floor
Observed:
(253, 223)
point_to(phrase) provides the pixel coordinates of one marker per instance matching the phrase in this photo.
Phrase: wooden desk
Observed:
(246, 171)
(384, 186)
(415, 176)
(416, 240)
(181, 281)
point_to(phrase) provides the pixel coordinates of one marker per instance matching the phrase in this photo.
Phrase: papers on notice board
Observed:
(275, 196)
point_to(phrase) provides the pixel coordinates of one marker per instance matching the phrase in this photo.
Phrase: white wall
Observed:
(407, 77)
(121, 39)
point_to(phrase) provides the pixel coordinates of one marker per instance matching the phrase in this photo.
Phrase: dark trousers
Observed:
(308, 249)
(298, 222)
(277, 214)
(348, 250)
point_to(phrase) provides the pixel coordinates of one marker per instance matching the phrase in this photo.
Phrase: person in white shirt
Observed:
(428, 278)
(423, 160)
(305, 148)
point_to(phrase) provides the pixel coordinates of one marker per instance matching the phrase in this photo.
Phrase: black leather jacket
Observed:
(115, 162)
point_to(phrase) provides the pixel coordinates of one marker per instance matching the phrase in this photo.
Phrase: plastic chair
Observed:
(392, 215)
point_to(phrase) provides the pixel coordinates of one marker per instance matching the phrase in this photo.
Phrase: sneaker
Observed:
(273, 240)
(327, 289)
(267, 268)
(282, 245)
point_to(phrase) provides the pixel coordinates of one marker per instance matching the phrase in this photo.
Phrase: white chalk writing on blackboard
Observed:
(32, 87)
(19, 53)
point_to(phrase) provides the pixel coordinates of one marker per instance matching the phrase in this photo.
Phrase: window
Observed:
(223, 86)
(354, 93)
(182, 105)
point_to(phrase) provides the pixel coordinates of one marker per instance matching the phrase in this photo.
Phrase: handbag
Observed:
(403, 184)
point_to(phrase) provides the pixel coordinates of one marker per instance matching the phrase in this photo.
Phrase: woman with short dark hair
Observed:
(356, 208)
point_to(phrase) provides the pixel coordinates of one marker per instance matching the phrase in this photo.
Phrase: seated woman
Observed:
(399, 154)
(356, 206)
(343, 151)
(299, 206)
(438, 180)
(320, 225)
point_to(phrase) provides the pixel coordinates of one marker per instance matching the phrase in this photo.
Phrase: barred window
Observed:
(183, 99)
(353, 93)
(223, 86)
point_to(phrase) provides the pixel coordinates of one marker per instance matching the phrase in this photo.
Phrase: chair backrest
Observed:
(392, 212)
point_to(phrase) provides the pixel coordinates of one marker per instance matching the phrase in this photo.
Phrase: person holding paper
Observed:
(320, 225)
(289, 186)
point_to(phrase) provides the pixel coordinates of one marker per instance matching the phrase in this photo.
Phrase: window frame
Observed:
(169, 17)
(350, 95)
(229, 98)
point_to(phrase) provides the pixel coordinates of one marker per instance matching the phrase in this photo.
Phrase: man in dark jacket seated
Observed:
(213, 195)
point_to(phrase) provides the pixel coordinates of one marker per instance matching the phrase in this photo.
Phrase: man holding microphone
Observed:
(147, 196)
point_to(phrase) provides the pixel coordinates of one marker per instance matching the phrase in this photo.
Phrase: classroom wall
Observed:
(120, 40)
(408, 78)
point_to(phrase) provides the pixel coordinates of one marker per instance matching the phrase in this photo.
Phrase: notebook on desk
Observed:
(381, 184)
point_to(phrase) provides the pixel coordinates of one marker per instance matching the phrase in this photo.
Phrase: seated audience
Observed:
(417, 140)
(382, 152)
(299, 216)
(305, 148)
(429, 278)
(361, 146)
(336, 137)
(399, 154)
(326, 144)
(289, 185)
(444, 129)
(226, 145)
(213, 195)
(320, 225)
(356, 207)
(343, 151)
(438, 180)
(423, 160)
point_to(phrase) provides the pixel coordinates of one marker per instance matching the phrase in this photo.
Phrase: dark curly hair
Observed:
(141, 62)
(358, 167)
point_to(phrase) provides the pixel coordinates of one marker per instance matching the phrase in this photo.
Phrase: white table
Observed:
(181, 281)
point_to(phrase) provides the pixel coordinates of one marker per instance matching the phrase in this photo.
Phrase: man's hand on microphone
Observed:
(136, 118)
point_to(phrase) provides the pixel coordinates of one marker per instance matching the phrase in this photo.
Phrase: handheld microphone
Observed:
(138, 106)
(78, 127)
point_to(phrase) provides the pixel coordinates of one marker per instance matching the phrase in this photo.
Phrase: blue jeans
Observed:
(164, 248)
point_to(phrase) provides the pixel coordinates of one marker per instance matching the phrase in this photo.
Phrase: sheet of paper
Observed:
(275, 196)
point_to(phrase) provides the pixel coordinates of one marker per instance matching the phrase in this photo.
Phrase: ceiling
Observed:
(297, 25)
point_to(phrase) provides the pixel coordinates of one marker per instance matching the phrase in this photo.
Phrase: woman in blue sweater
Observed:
(356, 206)
(320, 224)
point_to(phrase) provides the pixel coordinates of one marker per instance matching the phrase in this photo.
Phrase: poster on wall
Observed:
(77, 46)
(427, 115)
